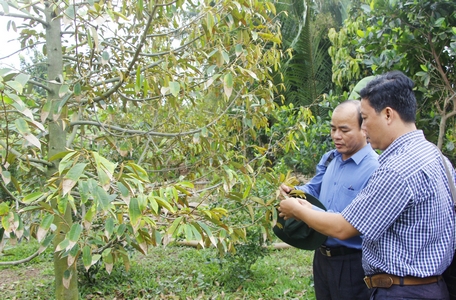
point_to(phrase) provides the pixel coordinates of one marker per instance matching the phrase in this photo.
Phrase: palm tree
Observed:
(307, 71)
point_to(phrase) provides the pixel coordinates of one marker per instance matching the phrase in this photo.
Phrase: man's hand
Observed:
(289, 207)
(283, 192)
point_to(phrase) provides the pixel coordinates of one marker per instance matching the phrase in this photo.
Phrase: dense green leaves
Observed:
(416, 37)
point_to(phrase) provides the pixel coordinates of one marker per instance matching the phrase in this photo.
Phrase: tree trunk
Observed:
(56, 144)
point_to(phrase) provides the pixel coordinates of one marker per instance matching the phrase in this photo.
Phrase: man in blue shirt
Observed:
(337, 267)
(406, 211)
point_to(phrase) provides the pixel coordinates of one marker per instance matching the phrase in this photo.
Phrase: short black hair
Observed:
(392, 89)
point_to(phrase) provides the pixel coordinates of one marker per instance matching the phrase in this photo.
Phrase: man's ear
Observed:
(389, 114)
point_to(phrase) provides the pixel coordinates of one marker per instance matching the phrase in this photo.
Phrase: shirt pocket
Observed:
(348, 193)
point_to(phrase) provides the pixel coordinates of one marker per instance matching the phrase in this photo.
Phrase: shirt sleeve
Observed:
(379, 204)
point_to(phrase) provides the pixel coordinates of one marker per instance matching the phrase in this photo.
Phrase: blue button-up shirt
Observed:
(338, 184)
(405, 212)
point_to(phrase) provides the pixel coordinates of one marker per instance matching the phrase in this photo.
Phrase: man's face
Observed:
(346, 133)
(373, 125)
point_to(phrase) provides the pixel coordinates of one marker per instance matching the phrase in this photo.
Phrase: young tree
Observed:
(148, 108)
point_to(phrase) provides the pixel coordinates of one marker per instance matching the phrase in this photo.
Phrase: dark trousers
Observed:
(436, 291)
(339, 277)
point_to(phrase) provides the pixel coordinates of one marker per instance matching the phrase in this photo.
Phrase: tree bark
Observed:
(56, 144)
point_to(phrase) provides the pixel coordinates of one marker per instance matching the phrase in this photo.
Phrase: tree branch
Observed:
(18, 262)
(132, 62)
(31, 159)
(36, 83)
(154, 133)
(3, 186)
(23, 16)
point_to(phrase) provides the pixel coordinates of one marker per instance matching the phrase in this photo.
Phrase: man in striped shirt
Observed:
(405, 213)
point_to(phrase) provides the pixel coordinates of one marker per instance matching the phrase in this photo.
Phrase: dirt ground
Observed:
(10, 278)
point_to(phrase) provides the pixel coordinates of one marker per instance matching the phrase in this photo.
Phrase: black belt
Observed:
(387, 280)
(337, 251)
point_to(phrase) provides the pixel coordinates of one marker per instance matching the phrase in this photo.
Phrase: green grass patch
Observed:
(172, 273)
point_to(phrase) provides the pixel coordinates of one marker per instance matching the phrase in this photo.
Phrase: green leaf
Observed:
(67, 275)
(103, 198)
(162, 202)
(22, 78)
(32, 197)
(22, 126)
(439, 22)
(103, 177)
(70, 12)
(90, 214)
(208, 232)
(77, 89)
(120, 230)
(62, 203)
(109, 227)
(83, 189)
(134, 212)
(66, 160)
(140, 173)
(172, 229)
(64, 89)
(6, 175)
(75, 232)
(47, 221)
(124, 191)
(16, 86)
(46, 110)
(4, 209)
(226, 57)
(87, 257)
(46, 242)
(228, 84)
(76, 171)
(174, 88)
(153, 204)
(62, 245)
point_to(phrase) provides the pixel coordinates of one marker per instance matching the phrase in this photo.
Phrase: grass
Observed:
(172, 273)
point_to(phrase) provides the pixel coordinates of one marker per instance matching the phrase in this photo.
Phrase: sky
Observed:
(8, 45)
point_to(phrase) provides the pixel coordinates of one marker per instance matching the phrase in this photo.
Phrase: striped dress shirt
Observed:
(406, 212)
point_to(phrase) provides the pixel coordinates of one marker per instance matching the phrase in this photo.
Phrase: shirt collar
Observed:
(358, 156)
(398, 143)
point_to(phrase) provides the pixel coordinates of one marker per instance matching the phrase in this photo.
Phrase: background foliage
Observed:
(137, 124)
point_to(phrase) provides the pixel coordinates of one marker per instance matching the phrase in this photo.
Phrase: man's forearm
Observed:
(330, 224)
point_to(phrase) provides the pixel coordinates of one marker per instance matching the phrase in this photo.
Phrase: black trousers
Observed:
(339, 277)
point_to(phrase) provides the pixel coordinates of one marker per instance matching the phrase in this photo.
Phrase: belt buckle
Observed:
(328, 252)
(325, 251)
